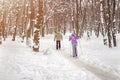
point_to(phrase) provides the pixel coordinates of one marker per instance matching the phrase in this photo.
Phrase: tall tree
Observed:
(113, 23)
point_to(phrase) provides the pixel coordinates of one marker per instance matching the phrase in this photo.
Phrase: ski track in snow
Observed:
(103, 75)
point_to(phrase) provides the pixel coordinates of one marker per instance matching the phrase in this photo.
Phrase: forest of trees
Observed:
(99, 17)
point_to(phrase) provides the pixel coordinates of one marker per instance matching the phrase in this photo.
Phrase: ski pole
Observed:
(80, 46)
(70, 48)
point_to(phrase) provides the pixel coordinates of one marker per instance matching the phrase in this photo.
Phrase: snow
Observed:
(93, 52)
(19, 62)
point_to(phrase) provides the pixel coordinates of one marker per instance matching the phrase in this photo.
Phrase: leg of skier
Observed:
(74, 50)
(56, 45)
(59, 45)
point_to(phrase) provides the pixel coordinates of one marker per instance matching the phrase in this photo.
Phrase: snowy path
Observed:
(98, 72)
(18, 62)
(95, 70)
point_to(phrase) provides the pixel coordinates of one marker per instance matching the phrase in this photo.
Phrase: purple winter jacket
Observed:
(73, 38)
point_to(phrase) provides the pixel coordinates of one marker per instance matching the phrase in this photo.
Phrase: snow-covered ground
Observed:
(93, 52)
(19, 62)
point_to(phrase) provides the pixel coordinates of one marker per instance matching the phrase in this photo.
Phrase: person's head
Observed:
(58, 32)
(73, 34)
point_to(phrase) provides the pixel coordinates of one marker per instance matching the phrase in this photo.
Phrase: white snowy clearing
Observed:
(19, 62)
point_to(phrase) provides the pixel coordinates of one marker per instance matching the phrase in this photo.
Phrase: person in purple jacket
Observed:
(73, 38)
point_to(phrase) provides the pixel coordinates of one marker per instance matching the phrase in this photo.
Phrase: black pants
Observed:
(58, 44)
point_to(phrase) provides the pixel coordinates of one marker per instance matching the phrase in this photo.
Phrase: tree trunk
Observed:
(109, 24)
(77, 23)
(114, 28)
